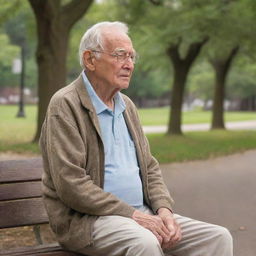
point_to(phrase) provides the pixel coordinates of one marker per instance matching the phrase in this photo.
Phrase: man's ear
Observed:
(89, 60)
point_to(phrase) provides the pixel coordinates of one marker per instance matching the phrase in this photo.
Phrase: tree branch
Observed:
(173, 51)
(74, 10)
(194, 50)
(233, 53)
(224, 62)
(156, 2)
(45, 7)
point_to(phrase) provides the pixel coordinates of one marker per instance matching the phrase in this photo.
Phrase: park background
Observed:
(197, 65)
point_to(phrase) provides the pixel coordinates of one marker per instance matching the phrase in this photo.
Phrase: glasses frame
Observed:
(121, 55)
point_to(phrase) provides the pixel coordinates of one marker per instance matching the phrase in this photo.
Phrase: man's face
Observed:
(110, 71)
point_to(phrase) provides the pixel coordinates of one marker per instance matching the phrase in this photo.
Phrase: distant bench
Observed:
(21, 204)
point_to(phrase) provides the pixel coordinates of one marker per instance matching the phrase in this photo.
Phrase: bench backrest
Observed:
(20, 193)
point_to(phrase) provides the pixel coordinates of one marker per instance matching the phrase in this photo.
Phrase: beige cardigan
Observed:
(73, 157)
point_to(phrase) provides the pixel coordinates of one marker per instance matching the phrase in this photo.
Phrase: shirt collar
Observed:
(98, 104)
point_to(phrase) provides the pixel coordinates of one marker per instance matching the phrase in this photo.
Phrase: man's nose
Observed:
(129, 62)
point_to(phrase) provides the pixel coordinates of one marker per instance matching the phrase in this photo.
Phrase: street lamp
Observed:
(19, 68)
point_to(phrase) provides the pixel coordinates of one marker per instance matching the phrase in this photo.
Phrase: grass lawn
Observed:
(200, 145)
(161, 116)
(16, 135)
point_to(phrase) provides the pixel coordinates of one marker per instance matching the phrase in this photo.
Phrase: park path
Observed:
(221, 191)
(242, 125)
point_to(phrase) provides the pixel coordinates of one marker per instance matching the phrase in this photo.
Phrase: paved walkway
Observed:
(243, 125)
(221, 191)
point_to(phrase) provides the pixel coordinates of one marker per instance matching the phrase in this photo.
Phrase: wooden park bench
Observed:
(21, 205)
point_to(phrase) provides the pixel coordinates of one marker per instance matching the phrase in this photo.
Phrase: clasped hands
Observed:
(162, 225)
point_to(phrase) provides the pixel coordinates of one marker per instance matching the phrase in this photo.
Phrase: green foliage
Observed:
(8, 8)
(147, 85)
(161, 26)
(8, 51)
(242, 82)
(18, 30)
(235, 28)
(7, 54)
(201, 81)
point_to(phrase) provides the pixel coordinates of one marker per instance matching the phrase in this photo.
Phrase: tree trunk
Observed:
(181, 69)
(180, 77)
(221, 67)
(54, 23)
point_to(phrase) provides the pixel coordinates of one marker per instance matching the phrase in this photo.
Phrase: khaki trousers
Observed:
(120, 236)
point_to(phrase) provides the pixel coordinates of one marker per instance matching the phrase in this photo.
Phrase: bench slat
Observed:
(21, 204)
(42, 250)
(20, 190)
(22, 213)
(21, 170)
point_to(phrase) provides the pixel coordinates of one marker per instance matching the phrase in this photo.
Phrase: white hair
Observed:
(93, 40)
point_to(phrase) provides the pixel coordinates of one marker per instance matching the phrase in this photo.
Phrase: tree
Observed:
(222, 50)
(54, 21)
(181, 69)
(221, 67)
(216, 20)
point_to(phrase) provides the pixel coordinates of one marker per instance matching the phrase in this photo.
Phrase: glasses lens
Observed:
(123, 56)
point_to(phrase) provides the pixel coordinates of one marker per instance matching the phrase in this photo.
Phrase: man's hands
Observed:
(163, 226)
(173, 227)
(154, 223)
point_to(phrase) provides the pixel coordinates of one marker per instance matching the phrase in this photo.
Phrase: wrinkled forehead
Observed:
(113, 40)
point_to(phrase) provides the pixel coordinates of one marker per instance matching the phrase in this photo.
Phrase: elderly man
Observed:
(103, 190)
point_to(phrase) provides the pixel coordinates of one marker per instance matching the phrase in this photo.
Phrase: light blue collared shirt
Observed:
(121, 177)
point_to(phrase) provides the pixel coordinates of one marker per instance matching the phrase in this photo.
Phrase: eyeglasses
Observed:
(122, 55)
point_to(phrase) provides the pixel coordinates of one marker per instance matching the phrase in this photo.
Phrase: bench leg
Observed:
(37, 233)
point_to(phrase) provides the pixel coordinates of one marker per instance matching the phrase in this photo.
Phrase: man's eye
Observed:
(121, 54)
